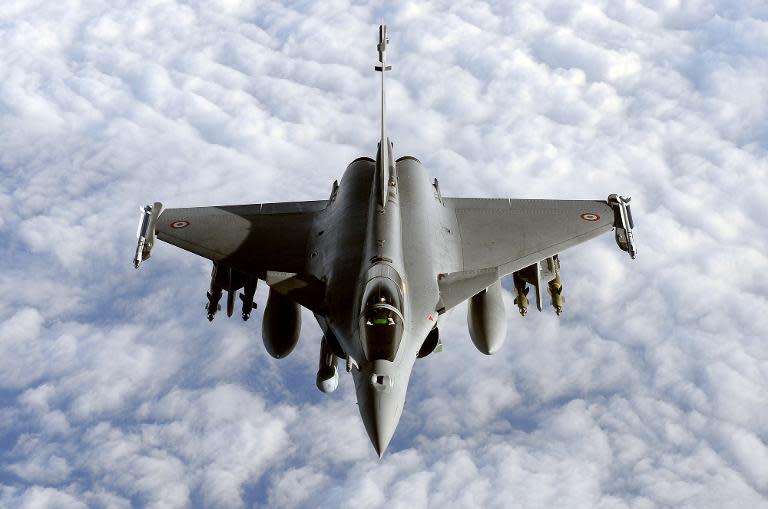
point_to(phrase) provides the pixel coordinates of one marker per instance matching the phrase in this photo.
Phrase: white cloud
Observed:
(41, 497)
(648, 392)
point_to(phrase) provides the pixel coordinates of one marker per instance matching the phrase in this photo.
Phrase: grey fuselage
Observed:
(358, 234)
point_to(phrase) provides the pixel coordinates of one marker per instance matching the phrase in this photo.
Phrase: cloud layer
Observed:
(648, 392)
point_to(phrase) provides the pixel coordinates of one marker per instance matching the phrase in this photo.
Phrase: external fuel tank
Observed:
(281, 325)
(487, 319)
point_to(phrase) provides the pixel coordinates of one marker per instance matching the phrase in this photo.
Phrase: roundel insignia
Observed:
(589, 216)
(179, 224)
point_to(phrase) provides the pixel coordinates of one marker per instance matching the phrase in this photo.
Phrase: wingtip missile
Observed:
(146, 232)
(623, 224)
(141, 235)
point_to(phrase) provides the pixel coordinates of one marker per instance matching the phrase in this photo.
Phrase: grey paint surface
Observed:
(387, 222)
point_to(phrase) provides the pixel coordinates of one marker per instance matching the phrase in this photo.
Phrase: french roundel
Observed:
(589, 216)
(179, 224)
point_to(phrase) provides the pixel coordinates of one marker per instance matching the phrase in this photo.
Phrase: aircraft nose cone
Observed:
(381, 405)
(380, 429)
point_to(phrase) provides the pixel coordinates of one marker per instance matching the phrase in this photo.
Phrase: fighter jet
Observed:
(380, 262)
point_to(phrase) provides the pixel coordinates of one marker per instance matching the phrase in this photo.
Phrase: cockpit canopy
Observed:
(381, 319)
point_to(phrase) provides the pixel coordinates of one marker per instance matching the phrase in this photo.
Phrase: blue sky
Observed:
(650, 391)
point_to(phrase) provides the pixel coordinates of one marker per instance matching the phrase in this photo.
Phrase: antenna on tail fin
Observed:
(384, 164)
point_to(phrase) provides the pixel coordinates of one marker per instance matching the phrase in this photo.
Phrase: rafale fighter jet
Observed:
(380, 261)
